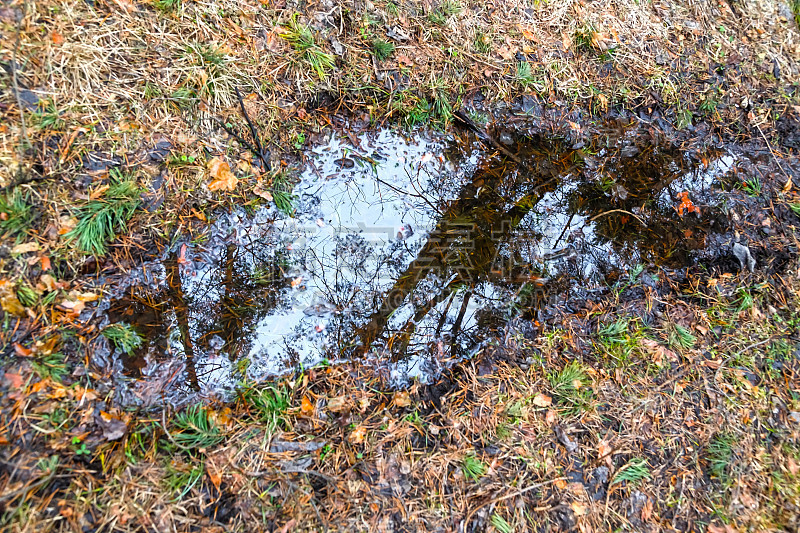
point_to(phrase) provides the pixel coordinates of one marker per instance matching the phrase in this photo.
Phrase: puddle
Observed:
(410, 253)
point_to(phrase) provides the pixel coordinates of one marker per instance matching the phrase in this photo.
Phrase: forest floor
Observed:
(666, 402)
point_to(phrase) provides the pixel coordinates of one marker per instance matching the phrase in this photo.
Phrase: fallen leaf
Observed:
(404, 60)
(73, 307)
(402, 399)
(48, 282)
(25, 247)
(337, 404)
(22, 351)
(358, 435)
(287, 526)
(604, 451)
(9, 301)
(223, 178)
(182, 256)
(14, 381)
(685, 204)
(56, 37)
(113, 428)
(542, 400)
(263, 192)
(578, 508)
(659, 353)
(306, 407)
(506, 52)
(214, 475)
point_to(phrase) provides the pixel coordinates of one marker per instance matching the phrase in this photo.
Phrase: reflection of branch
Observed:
(175, 289)
(484, 137)
(460, 317)
(642, 222)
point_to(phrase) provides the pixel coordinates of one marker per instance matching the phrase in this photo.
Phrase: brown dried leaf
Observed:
(223, 178)
(402, 399)
(542, 400)
(24, 248)
(9, 301)
(338, 404)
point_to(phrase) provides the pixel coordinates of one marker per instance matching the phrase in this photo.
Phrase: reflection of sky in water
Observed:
(363, 215)
(355, 230)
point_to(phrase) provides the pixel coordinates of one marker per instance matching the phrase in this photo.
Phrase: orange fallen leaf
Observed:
(182, 256)
(686, 204)
(358, 435)
(14, 381)
(214, 475)
(22, 351)
(306, 407)
(223, 178)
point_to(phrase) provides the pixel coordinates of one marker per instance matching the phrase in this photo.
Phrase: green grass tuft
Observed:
(524, 75)
(51, 366)
(382, 49)
(445, 10)
(681, 338)
(195, 429)
(634, 471)
(302, 40)
(570, 386)
(180, 479)
(720, 453)
(501, 524)
(26, 295)
(16, 214)
(123, 336)
(167, 6)
(100, 220)
(473, 468)
(269, 405)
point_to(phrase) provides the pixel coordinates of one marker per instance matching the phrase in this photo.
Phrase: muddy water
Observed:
(410, 253)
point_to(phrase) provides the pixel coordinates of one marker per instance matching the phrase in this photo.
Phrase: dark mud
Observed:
(413, 253)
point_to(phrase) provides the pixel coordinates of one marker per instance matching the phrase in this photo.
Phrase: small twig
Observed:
(256, 147)
(772, 152)
(264, 156)
(512, 495)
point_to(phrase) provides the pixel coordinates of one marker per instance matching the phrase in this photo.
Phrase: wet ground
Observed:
(413, 252)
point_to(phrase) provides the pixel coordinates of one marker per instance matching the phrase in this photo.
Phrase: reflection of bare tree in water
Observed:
(246, 286)
(479, 236)
(467, 245)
